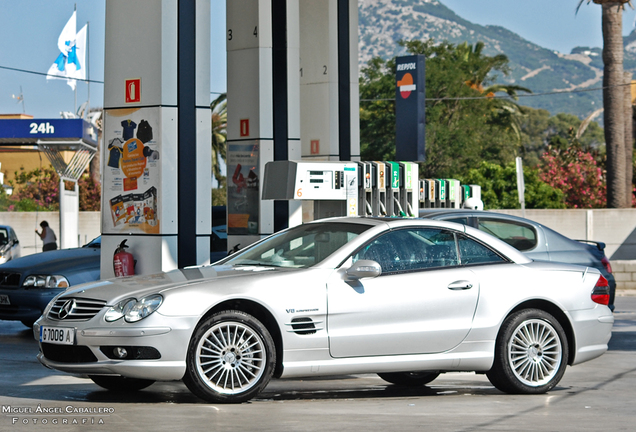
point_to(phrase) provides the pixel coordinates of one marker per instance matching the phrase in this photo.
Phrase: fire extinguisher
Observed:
(123, 262)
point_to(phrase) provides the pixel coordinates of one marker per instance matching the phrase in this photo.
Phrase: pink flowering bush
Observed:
(38, 190)
(576, 173)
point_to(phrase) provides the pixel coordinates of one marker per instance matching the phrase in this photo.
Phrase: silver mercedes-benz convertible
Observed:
(404, 298)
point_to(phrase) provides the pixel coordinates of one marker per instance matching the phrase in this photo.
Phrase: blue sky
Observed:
(29, 30)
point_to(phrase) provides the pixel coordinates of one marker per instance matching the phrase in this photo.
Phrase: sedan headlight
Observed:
(133, 310)
(46, 281)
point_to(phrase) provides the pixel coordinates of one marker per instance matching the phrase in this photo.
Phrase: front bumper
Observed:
(95, 340)
(26, 304)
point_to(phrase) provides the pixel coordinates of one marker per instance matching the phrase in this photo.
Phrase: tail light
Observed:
(601, 292)
(606, 264)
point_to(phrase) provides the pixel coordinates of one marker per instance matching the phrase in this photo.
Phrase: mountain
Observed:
(382, 23)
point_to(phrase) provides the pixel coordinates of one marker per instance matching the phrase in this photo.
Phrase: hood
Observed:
(112, 290)
(58, 261)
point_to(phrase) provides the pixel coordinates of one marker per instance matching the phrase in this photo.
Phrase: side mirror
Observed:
(364, 269)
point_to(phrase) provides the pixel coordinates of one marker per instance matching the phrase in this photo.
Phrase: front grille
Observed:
(10, 279)
(68, 353)
(78, 309)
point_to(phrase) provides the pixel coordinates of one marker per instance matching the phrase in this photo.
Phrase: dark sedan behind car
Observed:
(535, 240)
(28, 284)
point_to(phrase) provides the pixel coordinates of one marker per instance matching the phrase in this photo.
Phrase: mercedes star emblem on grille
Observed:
(66, 309)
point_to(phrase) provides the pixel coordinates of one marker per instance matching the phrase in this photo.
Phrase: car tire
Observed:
(531, 353)
(409, 379)
(120, 383)
(231, 358)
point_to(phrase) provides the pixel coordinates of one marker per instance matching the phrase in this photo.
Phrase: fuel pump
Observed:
(332, 186)
(365, 189)
(431, 193)
(379, 198)
(394, 208)
(454, 193)
(465, 193)
(409, 196)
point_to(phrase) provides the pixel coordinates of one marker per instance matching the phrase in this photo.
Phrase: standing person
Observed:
(48, 237)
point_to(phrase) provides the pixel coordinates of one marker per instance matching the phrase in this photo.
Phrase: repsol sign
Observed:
(406, 66)
(410, 97)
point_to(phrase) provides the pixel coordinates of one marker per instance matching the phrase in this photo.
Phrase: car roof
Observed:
(397, 222)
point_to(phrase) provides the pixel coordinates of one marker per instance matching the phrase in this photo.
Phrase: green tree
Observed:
(459, 132)
(499, 187)
(539, 130)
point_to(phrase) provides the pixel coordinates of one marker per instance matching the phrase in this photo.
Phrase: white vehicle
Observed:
(404, 298)
(9, 244)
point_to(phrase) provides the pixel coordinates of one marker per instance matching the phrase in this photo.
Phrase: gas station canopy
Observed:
(53, 136)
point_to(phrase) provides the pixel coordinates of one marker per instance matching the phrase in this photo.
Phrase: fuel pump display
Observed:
(377, 188)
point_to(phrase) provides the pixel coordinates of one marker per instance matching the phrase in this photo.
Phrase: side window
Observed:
(459, 220)
(518, 235)
(411, 249)
(471, 252)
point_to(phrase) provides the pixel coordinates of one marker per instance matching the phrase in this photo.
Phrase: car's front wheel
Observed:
(531, 353)
(120, 383)
(230, 359)
(410, 379)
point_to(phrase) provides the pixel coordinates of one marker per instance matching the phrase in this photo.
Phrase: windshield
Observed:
(95, 243)
(299, 247)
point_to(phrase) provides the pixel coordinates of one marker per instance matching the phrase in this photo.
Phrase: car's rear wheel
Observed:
(410, 379)
(531, 353)
(230, 359)
(120, 383)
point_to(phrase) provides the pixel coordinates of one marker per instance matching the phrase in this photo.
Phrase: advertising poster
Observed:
(243, 187)
(132, 171)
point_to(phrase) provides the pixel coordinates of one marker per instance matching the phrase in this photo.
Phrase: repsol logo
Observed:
(406, 66)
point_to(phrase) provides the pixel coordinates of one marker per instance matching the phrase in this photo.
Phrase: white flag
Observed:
(77, 70)
(69, 64)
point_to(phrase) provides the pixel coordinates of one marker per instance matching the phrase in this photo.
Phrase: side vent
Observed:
(303, 326)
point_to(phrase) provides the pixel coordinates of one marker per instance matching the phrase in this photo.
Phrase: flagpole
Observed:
(75, 91)
(88, 69)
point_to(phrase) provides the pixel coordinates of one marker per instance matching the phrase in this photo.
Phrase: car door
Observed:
(423, 302)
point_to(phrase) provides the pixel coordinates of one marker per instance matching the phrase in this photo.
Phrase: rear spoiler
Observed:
(599, 245)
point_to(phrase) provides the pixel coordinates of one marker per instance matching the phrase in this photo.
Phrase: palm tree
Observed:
(505, 111)
(219, 135)
(613, 94)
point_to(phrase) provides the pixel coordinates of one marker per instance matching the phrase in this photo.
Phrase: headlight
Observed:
(46, 281)
(134, 310)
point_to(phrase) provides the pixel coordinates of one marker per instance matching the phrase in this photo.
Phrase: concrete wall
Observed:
(25, 224)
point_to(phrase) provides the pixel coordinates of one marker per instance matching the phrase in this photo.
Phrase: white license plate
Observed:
(57, 335)
(4, 299)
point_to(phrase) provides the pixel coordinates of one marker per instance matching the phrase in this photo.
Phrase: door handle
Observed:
(460, 285)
